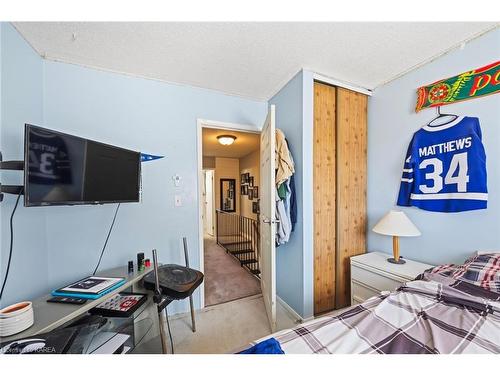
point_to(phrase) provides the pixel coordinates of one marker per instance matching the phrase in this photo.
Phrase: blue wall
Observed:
(392, 121)
(294, 260)
(61, 244)
(22, 101)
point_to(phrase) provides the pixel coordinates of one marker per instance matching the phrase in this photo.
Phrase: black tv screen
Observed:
(62, 169)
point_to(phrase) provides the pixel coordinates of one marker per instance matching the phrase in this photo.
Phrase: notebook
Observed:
(91, 287)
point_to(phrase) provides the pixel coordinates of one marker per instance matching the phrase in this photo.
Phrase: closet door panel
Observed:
(324, 150)
(351, 186)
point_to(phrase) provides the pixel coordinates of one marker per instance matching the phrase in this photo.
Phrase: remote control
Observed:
(72, 300)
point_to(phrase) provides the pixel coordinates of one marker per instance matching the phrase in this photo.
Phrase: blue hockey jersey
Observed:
(445, 168)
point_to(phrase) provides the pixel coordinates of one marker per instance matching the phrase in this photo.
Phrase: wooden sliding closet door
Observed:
(324, 150)
(339, 154)
(351, 186)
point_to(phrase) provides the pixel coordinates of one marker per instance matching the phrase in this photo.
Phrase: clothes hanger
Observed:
(441, 115)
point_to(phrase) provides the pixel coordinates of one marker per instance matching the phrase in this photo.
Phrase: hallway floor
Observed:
(225, 279)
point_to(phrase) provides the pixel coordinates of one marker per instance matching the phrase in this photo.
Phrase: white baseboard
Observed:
(291, 312)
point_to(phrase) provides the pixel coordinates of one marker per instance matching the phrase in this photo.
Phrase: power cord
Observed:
(11, 245)
(107, 238)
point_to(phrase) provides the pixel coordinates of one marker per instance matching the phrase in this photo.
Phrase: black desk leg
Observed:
(162, 321)
(191, 305)
(193, 323)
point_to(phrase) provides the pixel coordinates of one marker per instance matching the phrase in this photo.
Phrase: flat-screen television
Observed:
(62, 169)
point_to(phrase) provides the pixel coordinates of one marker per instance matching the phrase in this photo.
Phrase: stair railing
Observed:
(239, 236)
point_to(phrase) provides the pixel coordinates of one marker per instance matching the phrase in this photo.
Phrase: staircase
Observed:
(239, 235)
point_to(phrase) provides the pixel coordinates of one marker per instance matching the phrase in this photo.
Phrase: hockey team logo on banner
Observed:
(468, 85)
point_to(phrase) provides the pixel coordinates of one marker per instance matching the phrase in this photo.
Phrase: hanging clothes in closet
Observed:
(286, 203)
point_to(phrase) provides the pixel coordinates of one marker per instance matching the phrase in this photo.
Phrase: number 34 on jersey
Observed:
(445, 168)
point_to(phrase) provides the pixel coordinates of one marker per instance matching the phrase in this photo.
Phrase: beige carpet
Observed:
(220, 329)
(225, 280)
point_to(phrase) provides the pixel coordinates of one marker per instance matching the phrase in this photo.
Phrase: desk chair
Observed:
(172, 282)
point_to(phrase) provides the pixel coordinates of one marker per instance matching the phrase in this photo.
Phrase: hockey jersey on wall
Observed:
(445, 168)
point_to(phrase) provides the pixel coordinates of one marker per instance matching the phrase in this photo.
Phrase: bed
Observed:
(447, 309)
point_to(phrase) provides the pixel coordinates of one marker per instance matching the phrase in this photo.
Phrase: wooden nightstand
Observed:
(371, 274)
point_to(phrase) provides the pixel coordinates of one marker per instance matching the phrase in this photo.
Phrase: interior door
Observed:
(268, 216)
(209, 202)
(324, 197)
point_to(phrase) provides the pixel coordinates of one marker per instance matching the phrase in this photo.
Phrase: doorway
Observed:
(229, 182)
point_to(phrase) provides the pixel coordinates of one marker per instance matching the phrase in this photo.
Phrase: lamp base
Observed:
(394, 261)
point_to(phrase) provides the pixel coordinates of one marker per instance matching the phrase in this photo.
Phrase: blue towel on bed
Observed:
(269, 346)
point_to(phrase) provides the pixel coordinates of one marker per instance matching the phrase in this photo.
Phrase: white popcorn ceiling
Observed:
(249, 59)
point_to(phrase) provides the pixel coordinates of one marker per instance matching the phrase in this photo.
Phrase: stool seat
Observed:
(176, 281)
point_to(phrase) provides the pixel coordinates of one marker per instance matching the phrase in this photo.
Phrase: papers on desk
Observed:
(108, 343)
(91, 285)
(126, 349)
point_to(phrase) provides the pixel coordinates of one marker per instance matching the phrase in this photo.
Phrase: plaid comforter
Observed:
(448, 309)
(482, 270)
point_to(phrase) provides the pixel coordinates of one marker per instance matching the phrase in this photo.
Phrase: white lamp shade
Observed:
(396, 223)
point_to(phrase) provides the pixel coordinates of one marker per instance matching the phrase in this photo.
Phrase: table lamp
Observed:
(396, 224)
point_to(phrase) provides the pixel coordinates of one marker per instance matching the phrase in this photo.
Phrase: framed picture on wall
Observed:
(244, 177)
(227, 190)
(250, 194)
(255, 192)
(244, 189)
(250, 181)
(255, 207)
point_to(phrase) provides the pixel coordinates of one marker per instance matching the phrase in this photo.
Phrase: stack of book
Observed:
(91, 287)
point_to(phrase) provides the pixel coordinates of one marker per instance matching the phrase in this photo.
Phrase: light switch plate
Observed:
(177, 180)
(178, 201)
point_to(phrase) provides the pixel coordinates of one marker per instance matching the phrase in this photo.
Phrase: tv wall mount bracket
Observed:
(12, 165)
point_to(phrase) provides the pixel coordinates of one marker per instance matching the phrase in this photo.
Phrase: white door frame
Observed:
(200, 124)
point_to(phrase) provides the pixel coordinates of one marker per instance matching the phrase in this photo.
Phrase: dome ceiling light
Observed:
(226, 140)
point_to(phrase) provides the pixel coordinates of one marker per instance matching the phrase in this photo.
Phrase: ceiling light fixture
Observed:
(226, 140)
